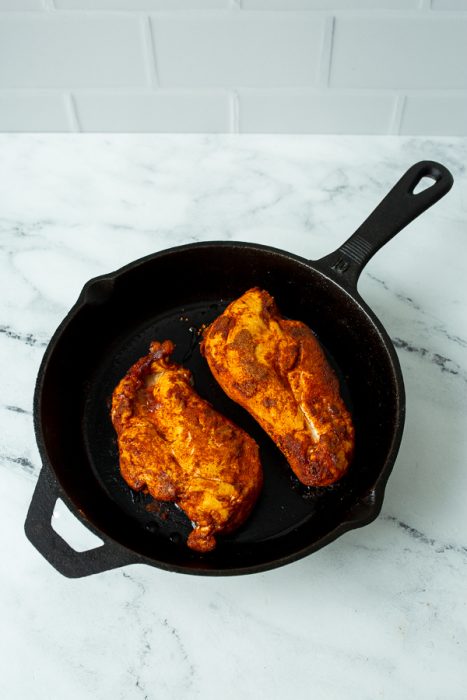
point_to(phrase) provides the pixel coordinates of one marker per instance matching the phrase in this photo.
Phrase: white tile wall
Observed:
(33, 112)
(133, 5)
(321, 112)
(69, 51)
(238, 49)
(305, 66)
(385, 52)
(329, 4)
(21, 5)
(162, 111)
(439, 114)
(449, 4)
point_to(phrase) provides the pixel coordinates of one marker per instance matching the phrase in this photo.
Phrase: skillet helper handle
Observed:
(397, 209)
(64, 558)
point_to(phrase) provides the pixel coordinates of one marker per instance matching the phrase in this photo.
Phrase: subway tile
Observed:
(142, 4)
(68, 51)
(21, 5)
(449, 4)
(329, 5)
(315, 113)
(237, 49)
(435, 115)
(399, 52)
(157, 112)
(33, 112)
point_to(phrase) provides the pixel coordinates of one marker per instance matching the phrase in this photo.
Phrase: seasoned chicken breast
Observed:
(175, 446)
(276, 369)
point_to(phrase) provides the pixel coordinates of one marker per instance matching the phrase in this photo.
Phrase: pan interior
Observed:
(284, 504)
(125, 315)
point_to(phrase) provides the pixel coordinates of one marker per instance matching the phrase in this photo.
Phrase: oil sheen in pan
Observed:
(284, 503)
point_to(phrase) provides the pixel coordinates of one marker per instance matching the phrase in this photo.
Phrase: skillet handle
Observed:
(64, 558)
(397, 209)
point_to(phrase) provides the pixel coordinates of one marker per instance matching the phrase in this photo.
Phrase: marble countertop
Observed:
(379, 613)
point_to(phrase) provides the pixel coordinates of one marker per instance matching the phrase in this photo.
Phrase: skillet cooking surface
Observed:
(284, 503)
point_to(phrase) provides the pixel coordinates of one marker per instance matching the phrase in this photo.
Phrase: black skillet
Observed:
(171, 294)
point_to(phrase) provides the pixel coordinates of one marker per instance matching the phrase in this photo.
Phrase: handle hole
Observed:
(71, 530)
(423, 184)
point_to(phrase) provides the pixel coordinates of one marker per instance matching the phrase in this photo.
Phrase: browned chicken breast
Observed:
(175, 446)
(276, 369)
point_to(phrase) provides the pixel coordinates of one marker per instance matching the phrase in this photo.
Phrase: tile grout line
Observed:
(378, 13)
(150, 56)
(72, 112)
(312, 90)
(324, 71)
(234, 112)
(397, 115)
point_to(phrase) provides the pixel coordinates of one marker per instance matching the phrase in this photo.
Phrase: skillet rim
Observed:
(364, 511)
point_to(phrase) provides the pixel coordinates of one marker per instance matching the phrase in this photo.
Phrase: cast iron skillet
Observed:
(171, 294)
